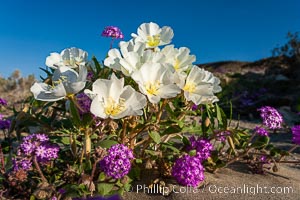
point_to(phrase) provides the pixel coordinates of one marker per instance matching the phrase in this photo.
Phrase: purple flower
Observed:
(3, 102)
(188, 170)
(296, 134)
(84, 102)
(271, 117)
(202, 146)
(117, 163)
(41, 137)
(22, 163)
(194, 107)
(40, 152)
(38, 145)
(4, 124)
(46, 152)
(27, 147)
(113, 32)
(261, 131)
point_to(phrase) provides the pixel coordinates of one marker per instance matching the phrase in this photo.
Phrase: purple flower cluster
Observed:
(188, 170)
(202, 146)
(117, 163)
(261, 131)
(113, 32)
(36, 145)
(3, 102)
(296, 134)
(271, 117)
(21, 163)
(84, 102)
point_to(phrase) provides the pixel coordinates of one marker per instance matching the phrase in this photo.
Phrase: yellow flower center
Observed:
(71, 62)
(114, 108)
(152, 88)
(153, 41)
(189, 87)
(176, 65)
(60, 80)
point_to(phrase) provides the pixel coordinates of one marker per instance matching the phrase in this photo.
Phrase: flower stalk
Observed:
(37, 166)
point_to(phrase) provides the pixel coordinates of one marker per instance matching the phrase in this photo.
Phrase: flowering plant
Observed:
(147, 107)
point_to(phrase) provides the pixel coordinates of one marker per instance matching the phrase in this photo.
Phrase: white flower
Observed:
(131, 56)
(152, 35)
(65, 83)
(71, 57)
(127, 59)
(155, 81)
(112, 100)
(200, 86)
(178, 58)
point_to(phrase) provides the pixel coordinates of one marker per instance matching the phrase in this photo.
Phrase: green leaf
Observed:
(106, 143)
(32, 197)
(172, 129)
(152, 152)
(185, 141)
(65, 140)
(155, 136)
(75, 113)
(138, 161)
(46, 71)
(101, 176)
(97, 65)
(219, 115)
(104, 188)
(127, 187)
(169, 146)
(193, 152)
(135, 173)
(261, 142)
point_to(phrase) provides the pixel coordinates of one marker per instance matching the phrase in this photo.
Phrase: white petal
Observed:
(44, 92)
(82, 74)
(169, 91)
(166, 35)
(65, 73)
(90, 93)
(101, 87)
(97, 108)
(53, 60)
(133, 99)
(153, 99)
(116, 87)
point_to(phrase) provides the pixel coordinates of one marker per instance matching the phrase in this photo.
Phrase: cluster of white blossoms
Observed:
(65, 81)
(160, 73)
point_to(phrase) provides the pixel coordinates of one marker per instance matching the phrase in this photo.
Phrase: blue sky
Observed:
(214, 30)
